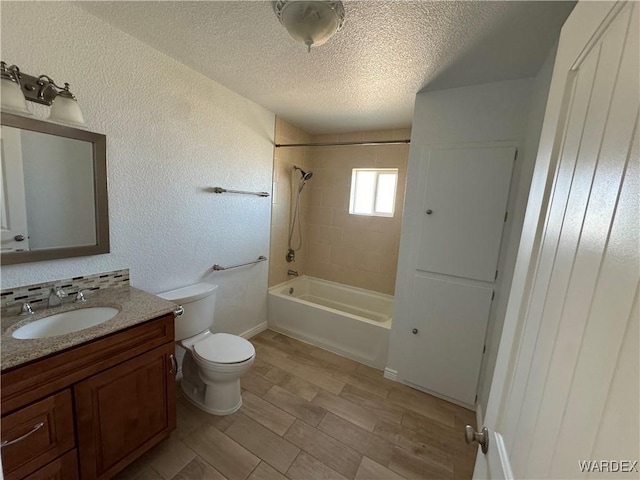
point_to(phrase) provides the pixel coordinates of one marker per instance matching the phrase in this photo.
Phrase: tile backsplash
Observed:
(38, 294)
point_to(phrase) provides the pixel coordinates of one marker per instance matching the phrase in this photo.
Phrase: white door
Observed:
(449, 318)
(466, 194)
(566, 384)
(466, 198)
(13, 209)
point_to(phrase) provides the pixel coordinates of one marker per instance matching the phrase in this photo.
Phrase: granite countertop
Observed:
(135, 307)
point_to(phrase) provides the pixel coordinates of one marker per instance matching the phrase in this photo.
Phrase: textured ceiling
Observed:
(367, 75)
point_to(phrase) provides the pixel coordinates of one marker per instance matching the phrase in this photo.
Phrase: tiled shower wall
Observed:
(283, 179)
(351, 249)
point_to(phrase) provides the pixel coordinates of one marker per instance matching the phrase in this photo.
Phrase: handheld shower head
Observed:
(305, 175)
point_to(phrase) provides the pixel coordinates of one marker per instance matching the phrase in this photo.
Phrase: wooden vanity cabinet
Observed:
(101, 404)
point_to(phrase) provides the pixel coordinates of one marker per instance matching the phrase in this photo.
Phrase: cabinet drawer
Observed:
(36, 435)
(63, 468)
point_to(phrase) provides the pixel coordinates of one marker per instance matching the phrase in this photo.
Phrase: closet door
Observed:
(466, 196)
(466, 192)
(448, 326)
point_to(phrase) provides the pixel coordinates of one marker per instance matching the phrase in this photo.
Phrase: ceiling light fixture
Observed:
(310, 22)
(17, 87)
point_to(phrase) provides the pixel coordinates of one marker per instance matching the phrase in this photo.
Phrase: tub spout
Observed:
(292, 272)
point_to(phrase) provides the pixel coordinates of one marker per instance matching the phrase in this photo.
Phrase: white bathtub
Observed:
(350, 321)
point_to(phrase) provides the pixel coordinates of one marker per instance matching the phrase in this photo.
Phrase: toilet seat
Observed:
(223, 348)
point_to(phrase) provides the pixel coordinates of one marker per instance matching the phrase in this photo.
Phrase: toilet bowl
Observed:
(213, 362)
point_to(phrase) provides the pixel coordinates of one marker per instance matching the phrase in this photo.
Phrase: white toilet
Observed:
(213, 362)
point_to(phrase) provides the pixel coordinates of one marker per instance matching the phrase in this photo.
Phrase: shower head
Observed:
(305, 175)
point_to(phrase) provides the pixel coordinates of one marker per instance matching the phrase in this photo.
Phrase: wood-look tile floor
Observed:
(309, 414)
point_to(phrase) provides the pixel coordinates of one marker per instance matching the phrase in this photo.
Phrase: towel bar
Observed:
(218, 268)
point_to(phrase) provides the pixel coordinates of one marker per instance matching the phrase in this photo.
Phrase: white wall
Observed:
(494, 112)
(171, 133)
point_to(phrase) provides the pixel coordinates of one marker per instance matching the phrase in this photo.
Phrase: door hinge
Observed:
(476, 399)
(515, 156)
(493, 295)
(506, 214)
(484, 349)
(496, 277)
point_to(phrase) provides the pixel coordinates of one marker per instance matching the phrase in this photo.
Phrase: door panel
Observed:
(451, 319)
(558, 378)
(13, 207)
(467, 191)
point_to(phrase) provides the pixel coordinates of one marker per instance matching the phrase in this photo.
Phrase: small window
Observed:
(373, 191)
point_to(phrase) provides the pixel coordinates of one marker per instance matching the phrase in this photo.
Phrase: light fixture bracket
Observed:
(42, 89)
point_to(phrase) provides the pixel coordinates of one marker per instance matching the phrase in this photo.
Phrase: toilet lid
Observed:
(224, 348)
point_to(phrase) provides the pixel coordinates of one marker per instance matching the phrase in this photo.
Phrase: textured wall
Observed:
(171, 133)
(285, 185)
(353, 249)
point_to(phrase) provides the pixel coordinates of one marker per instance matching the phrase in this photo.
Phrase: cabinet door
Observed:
(446, 350)
(124, 411)
(465, 203)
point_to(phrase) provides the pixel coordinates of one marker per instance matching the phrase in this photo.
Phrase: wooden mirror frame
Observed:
(101, 213)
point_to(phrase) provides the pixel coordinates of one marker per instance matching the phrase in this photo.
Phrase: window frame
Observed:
(354, 188)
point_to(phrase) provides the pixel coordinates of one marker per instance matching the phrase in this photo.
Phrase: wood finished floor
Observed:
(309, 414)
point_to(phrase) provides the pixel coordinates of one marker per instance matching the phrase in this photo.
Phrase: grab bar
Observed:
(217, 267)
(224, 190)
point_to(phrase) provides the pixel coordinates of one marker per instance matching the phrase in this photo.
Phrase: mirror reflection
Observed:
(47, 191)
(53, 191)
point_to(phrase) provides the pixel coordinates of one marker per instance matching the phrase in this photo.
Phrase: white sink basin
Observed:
(65, 322)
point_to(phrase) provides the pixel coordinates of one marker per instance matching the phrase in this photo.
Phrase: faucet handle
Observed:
(80, 295)
(26, 309)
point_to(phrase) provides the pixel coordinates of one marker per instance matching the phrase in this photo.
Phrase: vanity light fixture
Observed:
(17, 87)
(310, 22)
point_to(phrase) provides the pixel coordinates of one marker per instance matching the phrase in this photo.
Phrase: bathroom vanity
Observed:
(89, 409)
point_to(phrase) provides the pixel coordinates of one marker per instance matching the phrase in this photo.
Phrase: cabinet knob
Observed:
(414, 331)
(429, 212)
(19, 238)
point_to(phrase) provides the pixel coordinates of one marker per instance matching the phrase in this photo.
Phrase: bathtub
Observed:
(349, 321)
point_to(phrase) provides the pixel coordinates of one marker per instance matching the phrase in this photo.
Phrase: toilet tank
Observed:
(199, 303)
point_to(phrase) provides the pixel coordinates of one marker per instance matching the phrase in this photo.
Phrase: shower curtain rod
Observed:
(345, 144)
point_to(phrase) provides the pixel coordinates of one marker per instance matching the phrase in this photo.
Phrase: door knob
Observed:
(19, 238)
(429, 212)
(482, 438)
(414, 331)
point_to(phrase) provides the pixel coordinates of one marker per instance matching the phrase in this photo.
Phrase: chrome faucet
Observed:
(292, 272)
(26, 309)
(55, 296)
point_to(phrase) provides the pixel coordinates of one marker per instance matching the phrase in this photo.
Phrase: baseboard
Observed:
(391, 374)
(252, 332)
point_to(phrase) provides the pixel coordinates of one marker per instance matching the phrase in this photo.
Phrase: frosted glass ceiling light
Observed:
(310, 22)
(18, 87)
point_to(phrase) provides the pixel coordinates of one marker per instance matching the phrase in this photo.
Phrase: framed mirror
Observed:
(53, 191)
